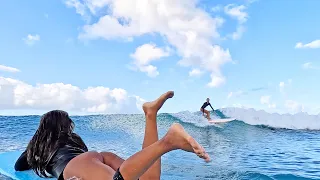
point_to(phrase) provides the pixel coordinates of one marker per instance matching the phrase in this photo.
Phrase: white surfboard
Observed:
(221, 120)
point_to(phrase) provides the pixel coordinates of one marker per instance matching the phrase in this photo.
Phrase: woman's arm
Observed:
(22, 163)
(211, 107)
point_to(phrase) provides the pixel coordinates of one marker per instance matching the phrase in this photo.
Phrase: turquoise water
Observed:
(238, 150)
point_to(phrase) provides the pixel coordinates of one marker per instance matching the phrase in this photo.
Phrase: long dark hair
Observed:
(54, 131)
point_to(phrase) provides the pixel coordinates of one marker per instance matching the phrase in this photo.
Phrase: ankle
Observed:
(150, 114)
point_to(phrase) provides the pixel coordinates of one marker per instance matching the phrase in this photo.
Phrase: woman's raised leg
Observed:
(176, 138)
(151, 133)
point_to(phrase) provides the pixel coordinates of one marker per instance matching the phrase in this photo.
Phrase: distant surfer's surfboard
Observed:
(221, 120)
(7, 161)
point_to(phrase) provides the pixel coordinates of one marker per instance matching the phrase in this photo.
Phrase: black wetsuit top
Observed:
(205, 105)
(57, 163)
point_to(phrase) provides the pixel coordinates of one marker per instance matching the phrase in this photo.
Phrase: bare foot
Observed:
(154, 106)
(178, 138)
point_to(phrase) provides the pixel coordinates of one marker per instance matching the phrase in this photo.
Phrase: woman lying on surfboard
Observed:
(203, 110)
(56, 150)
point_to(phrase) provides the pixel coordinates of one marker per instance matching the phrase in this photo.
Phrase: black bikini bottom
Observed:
(118, 176)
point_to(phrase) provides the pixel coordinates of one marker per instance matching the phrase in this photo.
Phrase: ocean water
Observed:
(238, 150)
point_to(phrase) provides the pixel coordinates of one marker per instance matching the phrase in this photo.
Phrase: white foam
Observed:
(254, 117)
(195, 119)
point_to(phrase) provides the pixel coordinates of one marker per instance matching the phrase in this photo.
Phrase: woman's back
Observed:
(53, 145)
(61, 158)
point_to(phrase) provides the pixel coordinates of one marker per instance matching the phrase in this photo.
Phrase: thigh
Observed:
(88, 166)
(206, 111)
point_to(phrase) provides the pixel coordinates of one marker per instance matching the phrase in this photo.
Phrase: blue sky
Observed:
(260, 54)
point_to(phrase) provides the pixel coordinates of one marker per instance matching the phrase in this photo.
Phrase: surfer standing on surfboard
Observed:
(203, 110)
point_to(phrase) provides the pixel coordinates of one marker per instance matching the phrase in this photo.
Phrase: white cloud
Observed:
(315, 110)
(237, 12)
(144, 55)
(309, 65)
(239, 32)
(187, 28)
(85, 7)
(195, 73)
(8, 69)
(216, 81)
(31, 39)
(95, 5)
(272, 106)
(251, 1)
(245, 92)
(80, 8)
(294, 106)
(266, 100)
(238, 105)
(283, 85)
(235, 94)
(216, 8)
(313, 45)
(15, 94)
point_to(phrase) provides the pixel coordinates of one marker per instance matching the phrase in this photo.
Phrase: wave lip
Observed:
(287, 121)
(299, 121)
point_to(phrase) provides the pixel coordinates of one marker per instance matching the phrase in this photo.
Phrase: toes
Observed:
(205, 156)
(200, 152)
(197, 148)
